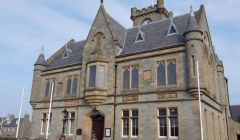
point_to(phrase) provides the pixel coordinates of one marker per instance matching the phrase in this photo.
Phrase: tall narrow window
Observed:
(135, 77)
(219, 128)
(214, 129)
(101, 79)
(47, 89)
(173, 122)
(72, 123)
(75, 85)
(172, 80)
(193, 66)
(206, 123)
(161, 80)
(134, 122)
(44, 123)
(163, 122)
(92, 76)
(69, 85)
(126, 79)
(125, 119)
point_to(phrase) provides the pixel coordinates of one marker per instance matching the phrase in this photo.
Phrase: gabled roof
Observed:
(235, 111)
(155, 33)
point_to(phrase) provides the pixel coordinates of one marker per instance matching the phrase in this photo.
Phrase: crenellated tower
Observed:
(150, 14)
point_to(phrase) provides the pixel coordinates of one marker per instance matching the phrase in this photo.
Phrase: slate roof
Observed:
(74, 58)
(12, 123)
(235, 111)
(41, 60)
(156, 37)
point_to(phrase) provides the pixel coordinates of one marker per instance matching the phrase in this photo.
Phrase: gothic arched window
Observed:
(47, 89)
(172, 79)
(161, 80)
(69, 84)
(126, 79)
(135, 77)
(75, 85)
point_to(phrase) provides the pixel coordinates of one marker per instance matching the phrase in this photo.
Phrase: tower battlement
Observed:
(154, 12)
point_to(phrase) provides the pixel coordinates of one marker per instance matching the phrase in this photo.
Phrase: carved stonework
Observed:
(167, 96)
(70, 103)
(98, 52)
(147, 75)
(130, 98)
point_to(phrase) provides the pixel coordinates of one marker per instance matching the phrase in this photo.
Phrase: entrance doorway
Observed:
(238, 137)
(98, 126)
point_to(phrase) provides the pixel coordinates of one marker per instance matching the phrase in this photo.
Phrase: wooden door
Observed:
(98, 127)
(238, 137)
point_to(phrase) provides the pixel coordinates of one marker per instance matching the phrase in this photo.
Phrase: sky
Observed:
(27, 25)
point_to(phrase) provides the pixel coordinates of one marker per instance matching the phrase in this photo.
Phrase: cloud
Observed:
(26, 25)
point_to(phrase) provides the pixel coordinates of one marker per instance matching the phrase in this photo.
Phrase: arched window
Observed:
(75, 85)
(172, 80)
(126, 79)
(47, 89)
(161, 80)
(69, 84)
(135, 77)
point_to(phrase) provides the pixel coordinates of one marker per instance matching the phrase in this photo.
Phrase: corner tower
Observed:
(150, 14)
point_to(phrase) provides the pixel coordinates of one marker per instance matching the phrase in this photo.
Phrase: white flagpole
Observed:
(20, 112)
(199, 100)
(49, 112)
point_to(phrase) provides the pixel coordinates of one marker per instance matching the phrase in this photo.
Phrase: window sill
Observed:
(96, 88)
(126, 91)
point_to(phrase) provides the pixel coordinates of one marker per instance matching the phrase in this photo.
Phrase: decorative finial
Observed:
(191, 9)
(101, 1)
(42, 49)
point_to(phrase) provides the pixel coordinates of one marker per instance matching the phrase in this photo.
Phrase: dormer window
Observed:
(140, 36)
(172, 29)
(147, 21)
(66, 53)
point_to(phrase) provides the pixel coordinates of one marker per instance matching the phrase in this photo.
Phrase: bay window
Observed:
(96, 75)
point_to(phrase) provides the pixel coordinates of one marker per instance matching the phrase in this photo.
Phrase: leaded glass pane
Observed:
(125, 113)
(92, 76)
(75, 85)
(126, 79)
(135, 77)
(101, 79)
(47, 89)
(125, 126)
(172, 80)
(161, 80)
(163, 126)
(162, 112)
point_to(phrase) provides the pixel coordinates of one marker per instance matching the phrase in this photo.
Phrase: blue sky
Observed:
(26, 25)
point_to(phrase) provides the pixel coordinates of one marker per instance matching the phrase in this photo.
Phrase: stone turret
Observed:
(194, 40)
(39, 66)
(152, 13)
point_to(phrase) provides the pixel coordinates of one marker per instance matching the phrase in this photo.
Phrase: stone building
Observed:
(138, 83)
(8, 127)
